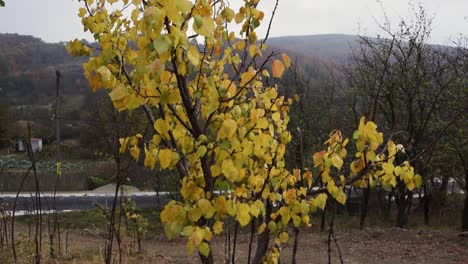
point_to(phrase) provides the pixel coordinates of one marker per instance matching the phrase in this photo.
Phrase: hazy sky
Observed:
(57, 20)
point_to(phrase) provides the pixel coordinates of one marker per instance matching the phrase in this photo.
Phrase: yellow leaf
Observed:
(174, 218)
(82, 12)
(123, 144)
(276, 116)
(184, 6)
(228, 14)
(162, 44)
(229, 170)
(285, 215)
(272, 226)
(388, 168)
(231, 207)
(149, 159)
(321, 200)
(337, 161)
(254, 50)
(286, 60)
(135, 152)
(77, 48)
(230, 87)
(261, 228)
(206, 207)
(105, 73)
(341, 198)
(417, 180)
(190, 247)
(190, 191)
(135, 14)
(228, 129)
(215, 170)
(162, 128)
(194, 214)
(201, 151)
(277, 68)
(188, 231)
(318, 158)
(156, 66)
(392, 149)
(239, 17)
(218, 227)
(203, 25)
(166, 157)
(243, 214)
(240, 45)
(197, 236)
(284, 237)
(357, 165)
(262, 123)
(246, 78)
(204, 249)
(166, 77)
(193, 55)
(254, 211)
(410, 185)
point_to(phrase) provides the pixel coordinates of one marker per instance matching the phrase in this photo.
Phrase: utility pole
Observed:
(58, 119)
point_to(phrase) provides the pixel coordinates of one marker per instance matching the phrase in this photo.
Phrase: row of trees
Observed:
(415, 91)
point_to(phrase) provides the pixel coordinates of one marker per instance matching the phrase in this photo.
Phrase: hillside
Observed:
(27, 70)
(27, 65)
(335, 47)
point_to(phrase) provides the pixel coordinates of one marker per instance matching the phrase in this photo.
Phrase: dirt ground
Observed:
(367, 246)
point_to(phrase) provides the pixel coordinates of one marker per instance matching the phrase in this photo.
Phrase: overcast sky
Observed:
(57, 20)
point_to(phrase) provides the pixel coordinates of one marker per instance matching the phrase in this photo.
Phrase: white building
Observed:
(36, 145)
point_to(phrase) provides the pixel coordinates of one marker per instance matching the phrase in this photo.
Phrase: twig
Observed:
(437, 138)
(236, 227)
(252, 231)
(13, 246)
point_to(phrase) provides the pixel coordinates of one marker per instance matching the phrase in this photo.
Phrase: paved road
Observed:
(81, 201)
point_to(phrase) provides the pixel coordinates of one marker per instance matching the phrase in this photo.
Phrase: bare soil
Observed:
(381, 246)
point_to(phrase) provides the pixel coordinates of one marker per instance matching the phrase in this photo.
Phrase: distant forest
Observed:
(28, 68)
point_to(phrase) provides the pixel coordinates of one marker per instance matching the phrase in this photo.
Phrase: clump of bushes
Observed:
(95, 182)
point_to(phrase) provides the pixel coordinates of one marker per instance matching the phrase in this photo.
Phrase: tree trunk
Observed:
(465, 208)
(388, 206)
(322, 219)
(295, 246)
(401, 216)
(253, 226)
(444, 185)
(348, 204)
(465, 212)
(263, 238)
(427, 204)
(208, 259)
(364, 207)
(409, 203)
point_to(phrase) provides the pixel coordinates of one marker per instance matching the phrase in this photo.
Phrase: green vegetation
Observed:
(20, 162)
(95, 182)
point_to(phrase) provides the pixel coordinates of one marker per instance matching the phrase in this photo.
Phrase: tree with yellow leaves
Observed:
(217, 116)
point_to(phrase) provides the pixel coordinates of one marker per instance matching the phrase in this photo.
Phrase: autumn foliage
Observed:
(218, 119)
